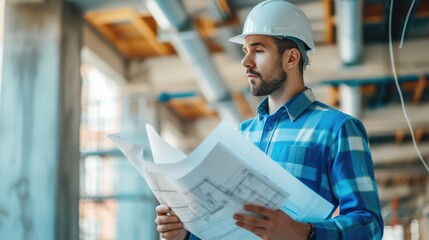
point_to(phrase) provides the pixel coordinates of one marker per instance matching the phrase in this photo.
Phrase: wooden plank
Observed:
(373, 13)
(334, 96)
(135, 48)
(126, 23)
(329, 22)
(151, 22)
(124, 47)
(388, 120)
(419, 133)
(242, 104)
(212, 45)
(204, 108)
(223, 6)
(205, 26)
(393, 153)
(232, 21)
(422, 10)
(421, 85)
(106, 32)
(124, 31)
(399, 136)
(145, 27)
(109, 16)
(369, 90)
(127, 47)
(416, 171)
(191, 108)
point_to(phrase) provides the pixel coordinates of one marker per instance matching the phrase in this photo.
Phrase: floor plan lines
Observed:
(211, 197)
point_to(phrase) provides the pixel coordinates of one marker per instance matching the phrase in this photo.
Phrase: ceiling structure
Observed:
(133, 31)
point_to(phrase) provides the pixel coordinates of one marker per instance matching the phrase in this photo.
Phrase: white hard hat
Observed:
(277, 18)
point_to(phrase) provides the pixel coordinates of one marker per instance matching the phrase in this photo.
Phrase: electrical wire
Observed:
(397, 83)
(406, 23)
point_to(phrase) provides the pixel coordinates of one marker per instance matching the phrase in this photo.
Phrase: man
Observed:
(324, 148)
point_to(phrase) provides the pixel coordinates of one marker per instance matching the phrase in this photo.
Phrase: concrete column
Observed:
(350, 100)
(39, 121)
(349, 31)
(2, 3)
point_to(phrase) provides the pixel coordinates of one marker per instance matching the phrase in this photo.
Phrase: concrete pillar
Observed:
(351, 100)
(2, 3)
(349, 31)
(39, 121)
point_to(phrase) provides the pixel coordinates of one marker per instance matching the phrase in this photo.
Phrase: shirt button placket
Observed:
(268, 132)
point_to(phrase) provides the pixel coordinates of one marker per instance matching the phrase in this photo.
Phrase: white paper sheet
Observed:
(225, 171)
(165, 152)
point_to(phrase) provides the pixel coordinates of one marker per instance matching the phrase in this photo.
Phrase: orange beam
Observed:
(242, 104)
(399, 136)
(124, 31)
(119, 24)
(109, 16)
(418, 91)
(143, 25)
(334, 96)
(373, 13)
(423, 9)
(329, 22)
(191, 108)
(223, 6)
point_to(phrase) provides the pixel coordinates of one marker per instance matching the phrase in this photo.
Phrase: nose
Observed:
(247, 61)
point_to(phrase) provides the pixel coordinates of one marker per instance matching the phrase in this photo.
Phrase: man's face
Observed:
(263, 65)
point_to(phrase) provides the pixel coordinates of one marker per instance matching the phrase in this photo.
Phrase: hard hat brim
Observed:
(238, 39)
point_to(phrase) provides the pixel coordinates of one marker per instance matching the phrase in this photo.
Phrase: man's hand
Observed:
(271, 224)
(169, 225)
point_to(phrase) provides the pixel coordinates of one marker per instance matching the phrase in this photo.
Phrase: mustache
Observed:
(252, 72)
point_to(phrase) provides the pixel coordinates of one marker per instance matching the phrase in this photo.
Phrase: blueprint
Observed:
(225, 171)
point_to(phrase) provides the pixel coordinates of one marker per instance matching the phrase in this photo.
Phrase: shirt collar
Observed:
(294, 107)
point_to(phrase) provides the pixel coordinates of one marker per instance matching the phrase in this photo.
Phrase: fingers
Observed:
(162, 210)
(250, 220)
(256, 230)
(164, 216)
(259, 218)
(168, 224)
(174, 234)
(164, 219)
(163, 228)
(260, 210)
(251, 223)
(257, 223)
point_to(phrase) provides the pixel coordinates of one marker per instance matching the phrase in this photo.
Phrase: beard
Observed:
(269, 85)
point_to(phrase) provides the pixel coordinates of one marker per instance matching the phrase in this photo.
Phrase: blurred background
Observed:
(74, 71)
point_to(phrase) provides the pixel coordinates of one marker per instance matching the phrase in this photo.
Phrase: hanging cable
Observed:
(392, 62)
(406, 23)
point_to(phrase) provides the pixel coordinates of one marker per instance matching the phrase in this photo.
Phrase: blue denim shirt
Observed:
(328, 151)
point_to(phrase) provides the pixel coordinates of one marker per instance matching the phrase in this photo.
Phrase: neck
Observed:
(291, 88)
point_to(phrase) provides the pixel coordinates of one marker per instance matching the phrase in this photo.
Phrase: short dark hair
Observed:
(285, 44)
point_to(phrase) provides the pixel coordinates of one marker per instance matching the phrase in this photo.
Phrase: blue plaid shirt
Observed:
(328, 151)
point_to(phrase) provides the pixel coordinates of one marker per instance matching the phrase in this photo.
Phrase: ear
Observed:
(291, 58)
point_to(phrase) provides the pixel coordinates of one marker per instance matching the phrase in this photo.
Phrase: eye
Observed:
(258, 50)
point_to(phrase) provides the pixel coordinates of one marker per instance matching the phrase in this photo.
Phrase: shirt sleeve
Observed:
(353, 184)
(193, 237)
